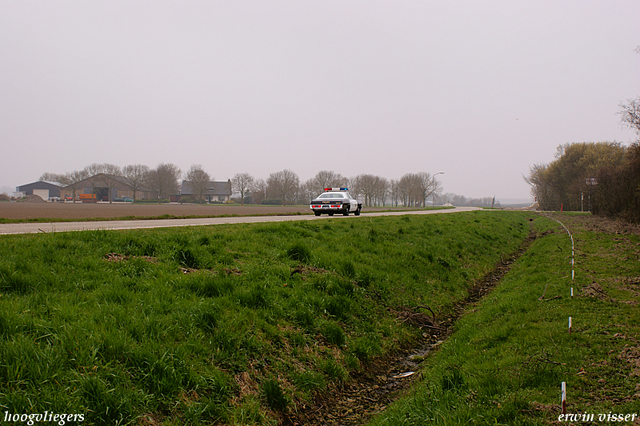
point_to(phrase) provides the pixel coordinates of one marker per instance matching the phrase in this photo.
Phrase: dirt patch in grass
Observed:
(116, 257)
(631, 356)
(306, 270)
(630, 284)
(595, 290)
(604, 225)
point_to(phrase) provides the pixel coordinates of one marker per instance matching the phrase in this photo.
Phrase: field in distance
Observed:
(106, 211)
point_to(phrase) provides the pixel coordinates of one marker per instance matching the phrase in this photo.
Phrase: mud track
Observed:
(387, 379)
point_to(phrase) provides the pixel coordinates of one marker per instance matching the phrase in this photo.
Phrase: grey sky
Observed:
(479, 90)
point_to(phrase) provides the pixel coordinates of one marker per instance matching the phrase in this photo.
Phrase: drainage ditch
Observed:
(386, 379)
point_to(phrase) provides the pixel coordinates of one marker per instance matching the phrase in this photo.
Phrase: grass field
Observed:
(506, 360)
(227, 324)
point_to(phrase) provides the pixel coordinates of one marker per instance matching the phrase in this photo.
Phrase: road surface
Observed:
(34, 228)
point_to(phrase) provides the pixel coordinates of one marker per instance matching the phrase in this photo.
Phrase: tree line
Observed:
(602, 177)
(285, 187)
(282, 187)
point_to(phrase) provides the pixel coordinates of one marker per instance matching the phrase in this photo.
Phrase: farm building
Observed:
(216, 192)
(106, 187)
(44, 190)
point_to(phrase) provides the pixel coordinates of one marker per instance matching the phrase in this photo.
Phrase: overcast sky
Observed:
(479, 90)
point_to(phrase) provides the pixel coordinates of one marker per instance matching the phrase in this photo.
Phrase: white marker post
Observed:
(569, 325)
(564, 397)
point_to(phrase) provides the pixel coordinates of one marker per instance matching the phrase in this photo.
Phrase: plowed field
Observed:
(72, 211)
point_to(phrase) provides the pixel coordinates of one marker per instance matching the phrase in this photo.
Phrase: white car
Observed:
(335, 200)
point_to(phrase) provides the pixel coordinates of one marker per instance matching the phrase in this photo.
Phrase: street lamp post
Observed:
(591, 182)
(433, 193)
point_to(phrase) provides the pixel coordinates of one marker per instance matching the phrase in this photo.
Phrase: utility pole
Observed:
(433, 192)
(591, 182)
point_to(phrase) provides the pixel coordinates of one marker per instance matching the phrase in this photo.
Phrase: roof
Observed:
(38, 185)
(214, 188)
(99, 181)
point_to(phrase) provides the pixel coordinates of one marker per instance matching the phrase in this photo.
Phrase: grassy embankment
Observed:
(508, 356)
(235, 324)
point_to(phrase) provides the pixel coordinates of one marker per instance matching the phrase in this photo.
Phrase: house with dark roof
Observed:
(45, 190)
(216, 191)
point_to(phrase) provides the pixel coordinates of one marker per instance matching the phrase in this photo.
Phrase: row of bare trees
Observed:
(602, 177)
(282, 187)
(285, 187)
(461, 200)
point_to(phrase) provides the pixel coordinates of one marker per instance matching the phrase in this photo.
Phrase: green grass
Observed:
(506, 360)
(224, 324)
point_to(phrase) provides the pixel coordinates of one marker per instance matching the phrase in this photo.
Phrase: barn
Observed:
(44, 190)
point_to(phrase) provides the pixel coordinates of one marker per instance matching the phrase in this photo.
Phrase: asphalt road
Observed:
(34, 228)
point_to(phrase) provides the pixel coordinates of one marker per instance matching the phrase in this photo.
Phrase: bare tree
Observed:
(258, 191)
(283, 185)
(199, 181)
(406, 190)
(93, 171)
(436, 188)
(630, 113)
(308, 191)
(242, 183)
(163, 180)
(135, 176)
(327, 179)
(51, 177)
(539, 181)
(415, 188)
(369, 186)
(425, 186)
(394, 192)
(111, 174)
(381, 191)
(69, 180)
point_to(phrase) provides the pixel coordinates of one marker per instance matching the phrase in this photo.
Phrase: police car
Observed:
(335, 200)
